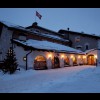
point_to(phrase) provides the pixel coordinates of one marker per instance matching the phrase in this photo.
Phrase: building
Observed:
(40, 48)
(81, 40)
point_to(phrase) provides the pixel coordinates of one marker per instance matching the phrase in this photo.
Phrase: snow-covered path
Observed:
(81, 79)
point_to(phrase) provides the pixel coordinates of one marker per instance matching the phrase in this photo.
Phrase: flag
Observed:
(38, 15)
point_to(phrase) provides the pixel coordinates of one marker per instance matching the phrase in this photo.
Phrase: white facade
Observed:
(5, 41)
(98, 53)
(21, 53)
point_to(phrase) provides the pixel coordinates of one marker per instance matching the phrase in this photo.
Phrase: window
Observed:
(37, 31)
(22, 38)
(77, 39)
(87, 47)
(79, 47)
(0, 56)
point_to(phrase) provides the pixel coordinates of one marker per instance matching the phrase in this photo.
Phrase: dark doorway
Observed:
(56, 62)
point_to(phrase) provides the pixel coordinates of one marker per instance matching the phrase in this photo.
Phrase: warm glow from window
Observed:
(49, 56)
(84, 57)
(74, 59)
(95, 56)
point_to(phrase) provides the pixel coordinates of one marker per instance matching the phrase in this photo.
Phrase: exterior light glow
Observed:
(95, 56)
(84, 57)
(49, 56)
(71, 56)
(24, 58)
(79, 57)
(62, 56)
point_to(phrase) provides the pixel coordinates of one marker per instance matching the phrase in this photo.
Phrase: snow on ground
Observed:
(77, 79)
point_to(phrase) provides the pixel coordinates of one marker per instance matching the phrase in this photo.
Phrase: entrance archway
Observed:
(90, 60)
(56, 62)
(66, 61)
(40, 62)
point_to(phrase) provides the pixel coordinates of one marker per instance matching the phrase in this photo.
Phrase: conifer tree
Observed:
(10, 63)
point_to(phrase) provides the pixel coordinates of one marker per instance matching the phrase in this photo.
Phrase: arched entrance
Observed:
(66, 61)
(40, 63)
(90, 60)
(56, 62)
(74, 61)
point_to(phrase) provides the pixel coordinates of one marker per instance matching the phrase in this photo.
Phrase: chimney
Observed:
(35, 24)
(68, 28)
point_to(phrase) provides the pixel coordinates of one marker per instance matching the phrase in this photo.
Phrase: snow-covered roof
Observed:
(90, 50)
(52, 36)
(81, 33)
(46, 45)
(8, 24)
(78, 46)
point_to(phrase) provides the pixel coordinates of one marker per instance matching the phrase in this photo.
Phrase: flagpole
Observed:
(35, 16)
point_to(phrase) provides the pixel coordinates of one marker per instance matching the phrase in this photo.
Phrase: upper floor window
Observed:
(23, 38)
(86, 46)
(77, 39)
(79, 47)
(37, 31)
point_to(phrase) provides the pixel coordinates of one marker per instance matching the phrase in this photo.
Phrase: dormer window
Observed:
(79, 47)
(23, 38)
(77, 39)
(37, 31)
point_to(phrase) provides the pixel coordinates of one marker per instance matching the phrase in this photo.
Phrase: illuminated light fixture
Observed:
(71, 56)
(49, 56)
(95, 56)
(84, 57)
(24, 58)
(62, 56)
(79, 56)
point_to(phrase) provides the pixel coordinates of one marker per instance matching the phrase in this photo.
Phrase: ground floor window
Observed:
(40, 62)
(66, 61)
(0, 56)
